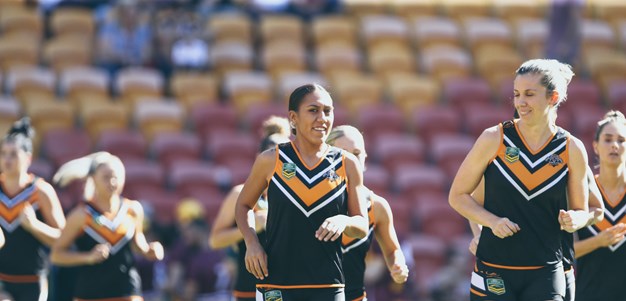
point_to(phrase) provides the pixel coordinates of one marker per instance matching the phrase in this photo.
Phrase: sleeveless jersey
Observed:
(245, 283)
(116, 276)
(22, 257)
(529, 188)
(300, 198)
(600, 274)
(354, 251)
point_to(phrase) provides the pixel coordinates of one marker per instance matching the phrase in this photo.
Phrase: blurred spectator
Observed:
(193, 269)
(564, 37)
(190, 53)
(125, 38)
(310, 8)
(450, 284)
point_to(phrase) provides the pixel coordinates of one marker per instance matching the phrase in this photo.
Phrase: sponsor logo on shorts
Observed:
(274, 295)
(496, 286)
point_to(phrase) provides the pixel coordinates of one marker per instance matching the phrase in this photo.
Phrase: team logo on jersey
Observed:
(289, 170)
(331, 175)
(496, 286)
(274, 295)
(554, 160)
(511, 154)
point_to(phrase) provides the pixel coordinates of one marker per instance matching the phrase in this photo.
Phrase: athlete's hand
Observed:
(99, 253)
(28, 216)
(155, 251)
(612, 235)
(399, 273)
(572, 220)
(260, 219)
(256, 261)
(331, 228)
(473, 246)
(504, 228)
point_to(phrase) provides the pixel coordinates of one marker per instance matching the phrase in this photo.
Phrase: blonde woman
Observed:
(104, 230)
(381, 226)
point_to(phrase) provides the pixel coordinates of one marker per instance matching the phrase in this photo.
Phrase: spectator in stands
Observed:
(193, 268)
(600, 250)
(535, 186)
(31, 218)
(310, 206)
(354, 251)
(564, 35)
(308, 9)
(104, 230)
(225, 232)
(125, 38)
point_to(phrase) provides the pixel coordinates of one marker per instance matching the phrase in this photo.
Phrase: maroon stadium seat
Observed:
(62, 145)
(169, 147)
(435, 120)
(125, 144)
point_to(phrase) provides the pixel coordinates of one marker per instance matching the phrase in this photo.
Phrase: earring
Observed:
(292, 125)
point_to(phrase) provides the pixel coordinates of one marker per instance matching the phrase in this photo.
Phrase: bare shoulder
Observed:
(77, 216)
(351, 160)
(135, 207)
(492, 133)
(576, 144)
(45, 188)
(381, 207)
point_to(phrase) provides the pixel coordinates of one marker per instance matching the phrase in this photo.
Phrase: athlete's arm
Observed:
(467, 179)
(607, 237)
(256, 258)
(355, 224)
(596, 206)
(577, 189)
(61, 254)
(388, 240)
(48, 230)
(151, 251)
(479, 195)
(224, 231)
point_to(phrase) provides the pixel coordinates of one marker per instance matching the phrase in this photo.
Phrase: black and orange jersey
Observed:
(22, 257)
(300, 198)
(529, 188)
(354, 251)
(116, 276)
(599, 274)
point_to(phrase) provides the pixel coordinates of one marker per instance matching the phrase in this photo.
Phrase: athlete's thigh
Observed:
(570, 286)
(547, 284)
(330, 294)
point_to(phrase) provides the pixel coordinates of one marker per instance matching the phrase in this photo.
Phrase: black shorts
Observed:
(492, 283)
(29, 291)
(304, 294)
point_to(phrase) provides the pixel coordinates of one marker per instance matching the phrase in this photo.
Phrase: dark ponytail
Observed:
(21, 134)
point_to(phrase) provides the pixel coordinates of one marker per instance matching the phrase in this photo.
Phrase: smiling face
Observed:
(314, 118)
(611, 144)
(530, 97)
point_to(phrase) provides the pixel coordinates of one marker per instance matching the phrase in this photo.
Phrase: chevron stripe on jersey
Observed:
(613, 215)
(11, 207)
(348, 243)
(310, 189)
(116, 232)
(533, 172)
